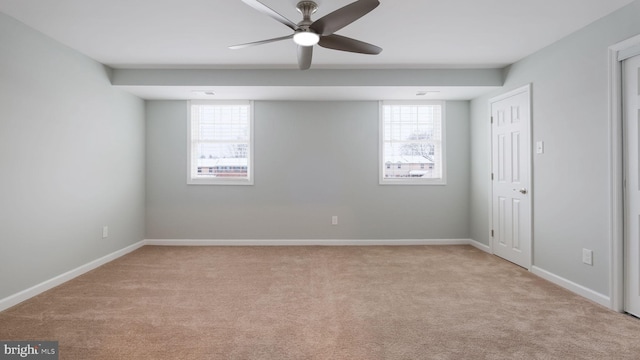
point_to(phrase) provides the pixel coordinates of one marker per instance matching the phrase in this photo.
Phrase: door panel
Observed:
(631, 75)
(515, 158)
(511, 170)
(501, 158)
(515, 207)
(502, 221)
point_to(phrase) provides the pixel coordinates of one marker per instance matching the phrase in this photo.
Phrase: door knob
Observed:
(522, 191)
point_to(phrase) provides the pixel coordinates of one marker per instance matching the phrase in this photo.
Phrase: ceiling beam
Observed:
(314, 77)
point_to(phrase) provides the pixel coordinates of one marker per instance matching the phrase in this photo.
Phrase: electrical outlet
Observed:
(105, 232)
(587, 256)
(334, 220)
(540, 147)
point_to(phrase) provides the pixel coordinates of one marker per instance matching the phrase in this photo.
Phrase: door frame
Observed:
(617, 54)
(525, 88)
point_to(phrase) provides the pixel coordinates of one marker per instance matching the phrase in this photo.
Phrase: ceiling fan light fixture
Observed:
(306, 38)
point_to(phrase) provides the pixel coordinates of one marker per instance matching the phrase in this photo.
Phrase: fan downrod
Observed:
(306, 8)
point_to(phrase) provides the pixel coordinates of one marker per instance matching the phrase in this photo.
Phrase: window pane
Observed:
(221, 150)
(412, 141)
(220, 142)
(224, 167)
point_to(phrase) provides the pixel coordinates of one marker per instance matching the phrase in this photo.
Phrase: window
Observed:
(412, 137)
(220, 143)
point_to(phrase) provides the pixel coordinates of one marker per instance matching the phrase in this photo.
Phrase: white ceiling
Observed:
(413, 33)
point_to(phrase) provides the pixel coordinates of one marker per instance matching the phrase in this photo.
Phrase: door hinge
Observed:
(491, 233)
(491, 176)
(492, 119)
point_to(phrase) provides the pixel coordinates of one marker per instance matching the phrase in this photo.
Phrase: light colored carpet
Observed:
(420, 302)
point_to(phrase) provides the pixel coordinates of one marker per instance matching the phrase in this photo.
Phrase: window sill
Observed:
(413, 182)
(219, 181)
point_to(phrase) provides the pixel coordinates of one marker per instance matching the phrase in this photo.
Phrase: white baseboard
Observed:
(304, 242)
(17, 298)
(573, 287)
(480, 246)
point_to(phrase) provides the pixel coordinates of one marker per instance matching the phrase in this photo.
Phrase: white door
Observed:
(631, 72)
(511, 176)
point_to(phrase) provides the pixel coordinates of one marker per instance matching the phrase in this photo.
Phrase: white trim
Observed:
(571, 286)
(490, 182)
(511, 93)
(622, 48)
(616, 211)
(480, 246)
(629, 52)
(523, 89)
(616, 168)
(305, 242)
(23, 295)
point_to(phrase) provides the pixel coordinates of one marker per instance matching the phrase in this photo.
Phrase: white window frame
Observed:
(412, 180)
(191, 180)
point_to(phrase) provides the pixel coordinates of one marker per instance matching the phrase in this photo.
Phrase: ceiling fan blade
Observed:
(241, 46)
(343, 43)
(344, 16)
(304, 57)
(270, 12)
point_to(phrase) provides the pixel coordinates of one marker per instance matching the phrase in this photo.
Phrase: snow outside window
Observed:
(220, 143)
(412, 147)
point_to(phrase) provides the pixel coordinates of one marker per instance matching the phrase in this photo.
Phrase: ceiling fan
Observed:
(307, 33)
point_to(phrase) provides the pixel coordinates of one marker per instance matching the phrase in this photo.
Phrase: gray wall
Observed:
(71, 160)
(312, 160)
(570, 181)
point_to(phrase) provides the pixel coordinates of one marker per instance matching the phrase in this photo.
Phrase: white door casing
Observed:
(631, 131)
(511, 176)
